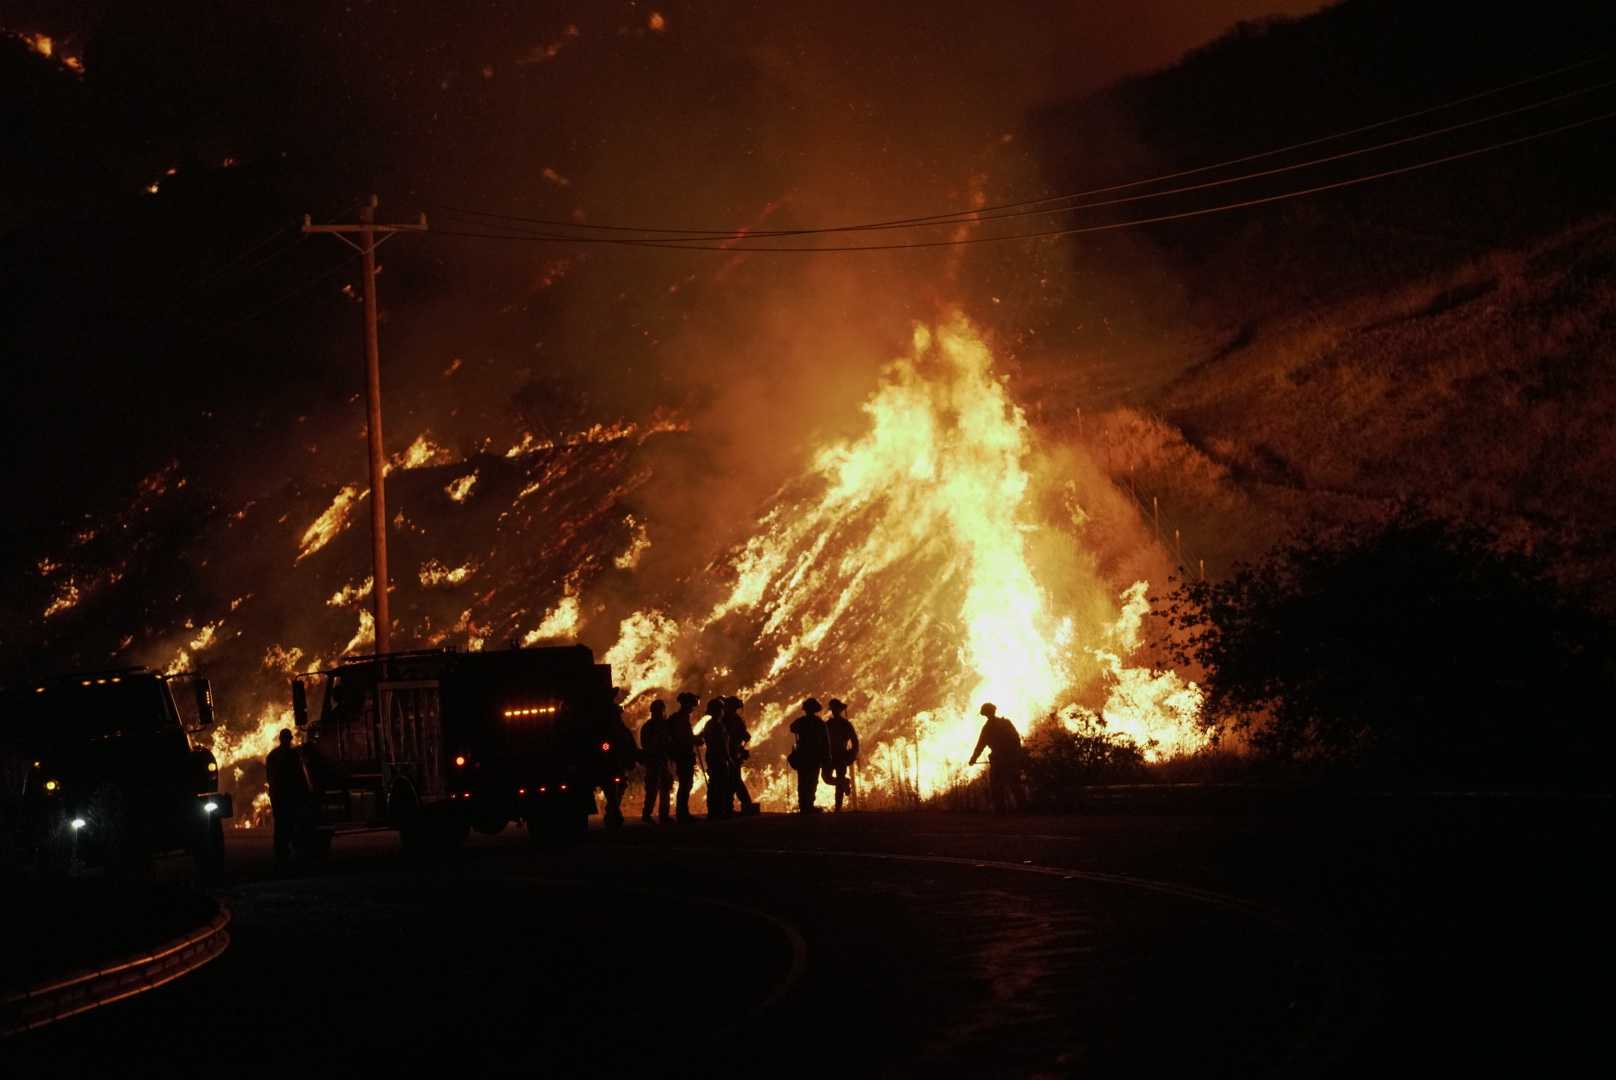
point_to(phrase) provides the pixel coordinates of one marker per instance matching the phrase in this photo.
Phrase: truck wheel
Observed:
(556, 826)
(317, 847)
(542, 830)
(209, 852)
(449, 831)
(404, 813)
(54, 853)
(490, 826)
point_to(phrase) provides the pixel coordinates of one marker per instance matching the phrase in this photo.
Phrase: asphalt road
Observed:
(915, 944)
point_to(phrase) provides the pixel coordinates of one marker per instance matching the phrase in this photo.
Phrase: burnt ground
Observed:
(1443, 934)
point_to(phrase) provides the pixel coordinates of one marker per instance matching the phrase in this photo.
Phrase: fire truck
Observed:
(114, 776)
(436, 743)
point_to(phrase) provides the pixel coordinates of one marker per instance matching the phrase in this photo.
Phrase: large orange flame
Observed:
(904, 573)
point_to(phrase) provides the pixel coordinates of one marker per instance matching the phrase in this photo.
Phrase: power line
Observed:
(1293, 167)
(232, 266)
(291, 294)
(1048, 233)
(991, 212)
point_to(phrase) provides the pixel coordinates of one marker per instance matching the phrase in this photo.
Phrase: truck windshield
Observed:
(101, 710)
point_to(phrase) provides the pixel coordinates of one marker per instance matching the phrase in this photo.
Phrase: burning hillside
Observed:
(914, 572)
(938, 559)
(934, 561)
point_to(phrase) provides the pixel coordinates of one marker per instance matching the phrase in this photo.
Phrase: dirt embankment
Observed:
(1486, 391)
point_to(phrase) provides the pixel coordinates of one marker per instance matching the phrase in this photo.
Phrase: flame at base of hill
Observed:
(899, 574)
(928, 564)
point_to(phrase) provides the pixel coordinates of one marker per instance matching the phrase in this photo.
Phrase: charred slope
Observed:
(1485, 393)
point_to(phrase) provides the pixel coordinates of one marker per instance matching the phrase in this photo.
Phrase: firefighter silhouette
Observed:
(1004, 763)
(291, 794)
(617, 748)
(716, 757)
(682, 752)
(654, 758)
(844, 749)
(735, 725)
(809, 755)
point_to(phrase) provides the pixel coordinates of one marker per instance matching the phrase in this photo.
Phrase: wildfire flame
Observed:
(64, 600)
(561, 622)
(597, 433)
(420, 453)
(637, 547)
(365, 636)
(1155, 709)
(234, 750)
(933, 561)
(326, 527)
(897, 573)
(434, 575)
(351, 593)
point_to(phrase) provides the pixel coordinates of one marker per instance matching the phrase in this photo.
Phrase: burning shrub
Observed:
(1417, 649)
(1064, 757)
(1064, 754)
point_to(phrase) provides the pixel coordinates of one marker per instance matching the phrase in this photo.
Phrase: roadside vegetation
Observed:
(1416, 651)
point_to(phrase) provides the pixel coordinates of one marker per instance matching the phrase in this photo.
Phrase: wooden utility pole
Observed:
(367, 245)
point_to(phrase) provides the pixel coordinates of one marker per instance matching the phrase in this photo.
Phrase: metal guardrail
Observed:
(102, 985)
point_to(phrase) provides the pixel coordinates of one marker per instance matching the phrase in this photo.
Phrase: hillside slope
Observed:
(1488, 392)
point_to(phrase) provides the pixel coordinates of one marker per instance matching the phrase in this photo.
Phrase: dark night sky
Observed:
(720, 114)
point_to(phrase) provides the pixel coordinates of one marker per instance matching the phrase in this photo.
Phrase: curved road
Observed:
(860, 944)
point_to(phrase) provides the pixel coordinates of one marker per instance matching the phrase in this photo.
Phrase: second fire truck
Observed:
(436, 743)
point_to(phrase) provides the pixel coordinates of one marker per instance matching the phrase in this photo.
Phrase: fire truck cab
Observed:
(114, 775)
(436, 743)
